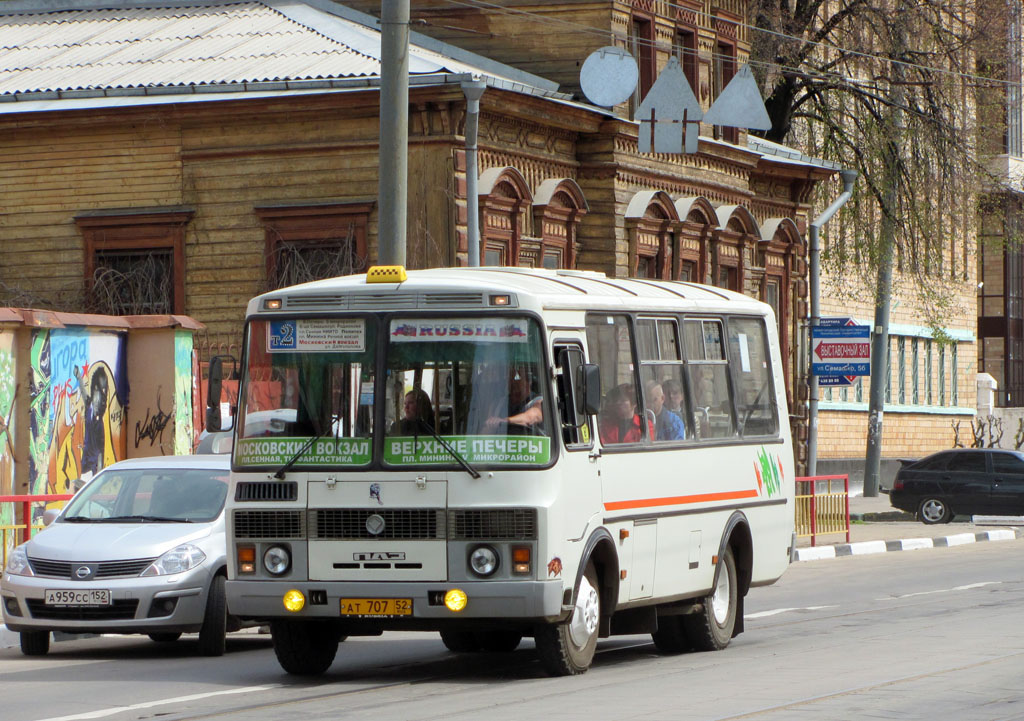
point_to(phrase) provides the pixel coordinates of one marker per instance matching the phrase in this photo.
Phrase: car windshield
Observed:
(150, 494)
(307, 378)
(477, 382)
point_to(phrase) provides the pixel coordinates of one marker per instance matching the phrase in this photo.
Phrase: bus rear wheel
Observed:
(567, 649)
(304, 648)
(711, 629)
(671, 635)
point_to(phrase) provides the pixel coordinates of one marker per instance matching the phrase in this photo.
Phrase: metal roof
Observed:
(56, 49)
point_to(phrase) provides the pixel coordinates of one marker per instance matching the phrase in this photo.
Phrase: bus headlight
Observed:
(276, 560)
(483, 560)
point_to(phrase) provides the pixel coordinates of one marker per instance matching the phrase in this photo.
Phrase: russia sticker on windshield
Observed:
(308, 335)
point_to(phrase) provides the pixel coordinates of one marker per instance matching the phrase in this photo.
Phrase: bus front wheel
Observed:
(711, 629)
(304, 648)
(567, 649)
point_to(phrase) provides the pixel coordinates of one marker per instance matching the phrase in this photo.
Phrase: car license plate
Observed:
(69, 597)
(376, 607)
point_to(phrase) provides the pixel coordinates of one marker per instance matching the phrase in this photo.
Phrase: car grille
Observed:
(406, 523)
(267, 491)
(269, 524)
(105, 569)
(498, 524)
(117, 611)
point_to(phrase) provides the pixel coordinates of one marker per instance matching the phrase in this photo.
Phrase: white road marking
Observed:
(777, 611)
(968, 587)
(101, 713)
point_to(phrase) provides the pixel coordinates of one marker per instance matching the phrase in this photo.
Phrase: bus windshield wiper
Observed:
(448, 447)
(291, 462)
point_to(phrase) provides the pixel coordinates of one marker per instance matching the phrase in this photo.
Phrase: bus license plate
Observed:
(68, 597)
(376, 607)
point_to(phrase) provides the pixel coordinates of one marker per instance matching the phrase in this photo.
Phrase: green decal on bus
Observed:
(473, 449)
(323, 452)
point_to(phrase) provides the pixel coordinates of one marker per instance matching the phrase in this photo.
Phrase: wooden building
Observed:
(156, 159)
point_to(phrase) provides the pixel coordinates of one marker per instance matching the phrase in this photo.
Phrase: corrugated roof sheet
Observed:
(148, 47)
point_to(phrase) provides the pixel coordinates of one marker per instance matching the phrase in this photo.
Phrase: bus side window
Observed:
(708, 376)
(752, 374)
(575, 424)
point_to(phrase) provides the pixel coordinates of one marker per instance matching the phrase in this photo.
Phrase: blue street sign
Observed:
(832, 322)
(841, 350)
(836, 380)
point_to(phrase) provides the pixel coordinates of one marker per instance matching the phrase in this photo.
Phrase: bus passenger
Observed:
(619, 421)
(419, 415)
(525, 408)
(669, 426)
(673, 395)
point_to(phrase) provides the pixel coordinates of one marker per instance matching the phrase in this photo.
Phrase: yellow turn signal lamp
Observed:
(455, 600)
(386, 274)
(294, 600)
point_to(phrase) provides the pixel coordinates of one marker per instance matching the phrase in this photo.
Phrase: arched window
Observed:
(651, 221)
(735, 238)
(504, 197)
(779, 246)
(698, 220)
(557, 209)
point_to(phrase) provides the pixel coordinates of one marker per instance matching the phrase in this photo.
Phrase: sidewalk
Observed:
(877, 527)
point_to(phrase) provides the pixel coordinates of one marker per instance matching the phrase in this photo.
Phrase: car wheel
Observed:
(304, 648)
(460, 641)
(567, 649)
(499, 641)
(934, 510)
(215, 622)
(168, 637)
(671, 635)
(35, 643)
(711, 629)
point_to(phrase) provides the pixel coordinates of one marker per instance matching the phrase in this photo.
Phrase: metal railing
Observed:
(25, 528)
(821, 507)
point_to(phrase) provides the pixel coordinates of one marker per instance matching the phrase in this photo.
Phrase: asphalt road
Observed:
(929, 634)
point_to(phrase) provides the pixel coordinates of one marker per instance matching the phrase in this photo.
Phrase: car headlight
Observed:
(17, 562)
(178, 560)
(483, 560)
(276, 560)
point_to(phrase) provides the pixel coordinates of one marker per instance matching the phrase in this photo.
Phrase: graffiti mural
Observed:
(77, 403)
(8, 389)
(183, 428)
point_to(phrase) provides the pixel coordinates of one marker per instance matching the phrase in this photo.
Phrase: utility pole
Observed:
(392, 185)
(883, 291)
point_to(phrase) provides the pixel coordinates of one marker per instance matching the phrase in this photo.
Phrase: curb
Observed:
(817, 553)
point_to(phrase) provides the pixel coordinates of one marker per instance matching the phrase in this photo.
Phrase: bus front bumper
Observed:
(510, 600)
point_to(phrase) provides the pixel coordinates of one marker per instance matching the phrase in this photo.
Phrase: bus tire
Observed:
(499, 640)
(567, 649)
(671, 635)
(711, 629)
(35, 643)
(304, 648)
(460, 641)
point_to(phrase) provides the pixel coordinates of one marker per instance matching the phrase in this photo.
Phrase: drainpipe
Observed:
(472, 89)
(849, 177)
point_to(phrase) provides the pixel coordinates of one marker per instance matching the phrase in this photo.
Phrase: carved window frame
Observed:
(138, 230)
(557, 223)
(502, 218)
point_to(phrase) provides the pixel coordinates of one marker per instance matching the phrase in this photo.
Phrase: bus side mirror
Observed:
(590, 394)
(214, 385)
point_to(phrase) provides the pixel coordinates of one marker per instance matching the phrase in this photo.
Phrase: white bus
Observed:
(499, 453)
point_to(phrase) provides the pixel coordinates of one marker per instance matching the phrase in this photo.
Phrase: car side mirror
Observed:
(50, 515)
(590, 388)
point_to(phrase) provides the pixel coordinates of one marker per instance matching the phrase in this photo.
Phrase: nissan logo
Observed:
(83, 572)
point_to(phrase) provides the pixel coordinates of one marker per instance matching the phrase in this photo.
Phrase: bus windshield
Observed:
(308, 378)
(476, 381)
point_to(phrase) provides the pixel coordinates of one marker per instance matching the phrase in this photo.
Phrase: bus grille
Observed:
(498, 524)
(269, 524)
(267, 491)
(404, 523)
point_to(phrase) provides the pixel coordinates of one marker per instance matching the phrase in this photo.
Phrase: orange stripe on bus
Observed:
(679, 500)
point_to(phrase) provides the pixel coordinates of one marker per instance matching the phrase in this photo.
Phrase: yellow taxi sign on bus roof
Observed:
(386, 274)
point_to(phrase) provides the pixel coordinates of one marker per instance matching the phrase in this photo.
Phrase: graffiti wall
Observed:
(8, 389)
(78, 390)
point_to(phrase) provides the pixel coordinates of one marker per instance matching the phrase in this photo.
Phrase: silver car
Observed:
(139, 549)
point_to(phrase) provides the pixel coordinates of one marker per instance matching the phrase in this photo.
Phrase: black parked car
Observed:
(963, 481)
